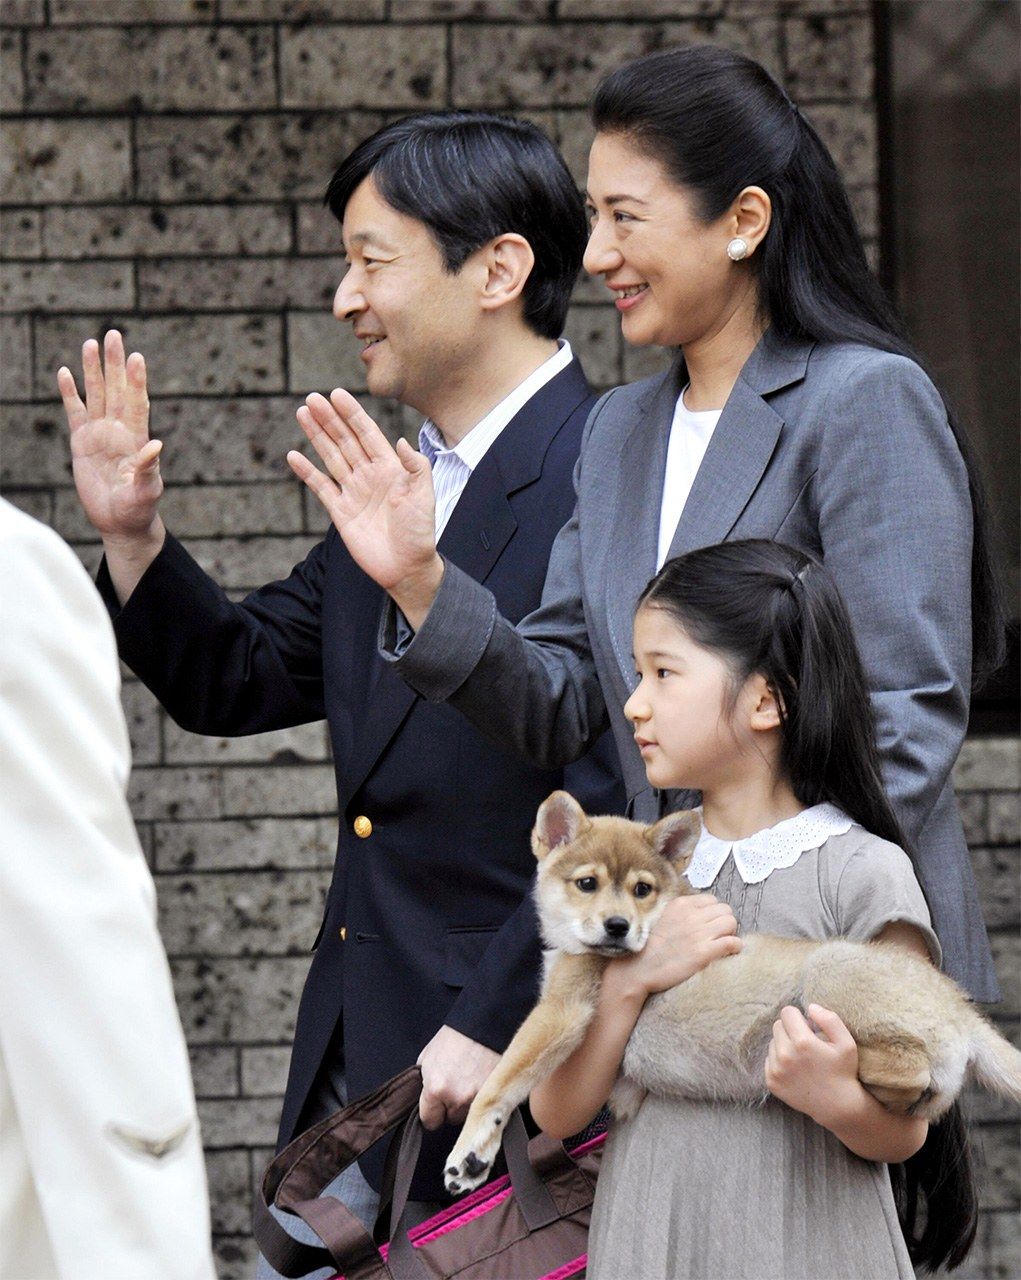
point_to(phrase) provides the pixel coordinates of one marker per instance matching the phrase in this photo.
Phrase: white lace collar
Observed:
(765, 851)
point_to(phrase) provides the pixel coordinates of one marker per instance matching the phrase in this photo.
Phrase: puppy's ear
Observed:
(559, 820)
(675, 836)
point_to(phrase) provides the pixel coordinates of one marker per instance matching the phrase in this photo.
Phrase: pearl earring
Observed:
(737, 249)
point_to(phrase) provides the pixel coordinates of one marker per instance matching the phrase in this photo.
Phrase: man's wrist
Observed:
(134, 548)
(414, 594)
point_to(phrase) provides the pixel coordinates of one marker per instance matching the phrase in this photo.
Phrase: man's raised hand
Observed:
(379, 498)
(115, 464)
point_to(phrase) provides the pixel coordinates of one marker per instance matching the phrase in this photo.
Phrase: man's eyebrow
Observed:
(370, 237)
(618, 199)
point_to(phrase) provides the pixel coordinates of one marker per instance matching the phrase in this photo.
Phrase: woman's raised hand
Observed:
(115, 464)
(379, 498)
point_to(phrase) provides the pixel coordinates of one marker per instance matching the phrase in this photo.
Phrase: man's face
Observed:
(417, 321)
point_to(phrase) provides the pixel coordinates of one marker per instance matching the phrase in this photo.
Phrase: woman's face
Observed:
(670, 273)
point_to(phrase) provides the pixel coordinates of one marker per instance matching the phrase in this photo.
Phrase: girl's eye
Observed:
(587, 884)
(662, 673)
(642, 889)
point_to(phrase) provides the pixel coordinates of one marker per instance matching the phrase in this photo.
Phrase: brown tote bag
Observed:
(531, 1224)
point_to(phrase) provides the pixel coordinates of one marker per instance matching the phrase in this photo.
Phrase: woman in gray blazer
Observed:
(795, 411)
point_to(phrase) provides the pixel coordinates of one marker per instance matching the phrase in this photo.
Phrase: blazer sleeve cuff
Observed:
(438, 658)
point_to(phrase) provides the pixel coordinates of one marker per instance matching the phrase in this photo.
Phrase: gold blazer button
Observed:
(363, 827)
(343, 933)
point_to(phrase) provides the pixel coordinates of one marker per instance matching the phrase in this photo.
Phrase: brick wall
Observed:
(163, 165)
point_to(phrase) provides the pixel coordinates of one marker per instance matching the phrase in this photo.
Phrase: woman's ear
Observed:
(509, 261)
(749, 217)
(766, 705)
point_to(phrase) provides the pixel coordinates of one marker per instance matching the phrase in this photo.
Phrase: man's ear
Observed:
(675, 836)
(509, 261)
(559, 821)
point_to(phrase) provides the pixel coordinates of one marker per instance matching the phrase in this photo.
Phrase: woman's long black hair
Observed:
(718, 122)
(771, 610)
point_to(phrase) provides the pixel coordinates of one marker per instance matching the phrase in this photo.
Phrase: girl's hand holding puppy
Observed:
(691, 932)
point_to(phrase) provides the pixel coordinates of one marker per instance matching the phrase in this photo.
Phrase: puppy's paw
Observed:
(469, 1163)
(626, 1098)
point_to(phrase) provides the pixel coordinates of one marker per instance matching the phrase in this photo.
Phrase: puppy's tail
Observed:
(995, 1063)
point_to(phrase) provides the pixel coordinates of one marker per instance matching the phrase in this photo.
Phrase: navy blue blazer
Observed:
(428, 919)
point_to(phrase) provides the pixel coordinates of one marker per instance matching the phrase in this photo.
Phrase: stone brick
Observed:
(230, 1123)
(251, 845)
(12, 84)
(285, 746)
(245, 157)
(241, 913)
(245, 563)
(865, 206)
(399, 67)
(997, 1166)
(301, 10)
(849, 131)
(514, 66)
(645, 362)
(1004, 1245)
(34, 502)
(829, 57)
(219, 355)
(574, 133)
(996, 873)
(214, 1071)
(237, 284)
(228, 1175)
(594, 335)
(167, 69)
(512, 10)
(972, 807)
(1006, 949)
(280, 789)
(24, 13)
(20, 233)
(1004, 817)
(68, 11)
(319, 232)
(50, 161)
(66, 286)
(239, 1001)
(142, 712)
(235, 1257)
(988, 764)
(322, 354)
(175, 793)
(264, 1071)
(150, 231)
(35, 449)
(15, 359)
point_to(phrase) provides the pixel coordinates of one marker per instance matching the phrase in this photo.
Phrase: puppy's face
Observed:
(603, 882)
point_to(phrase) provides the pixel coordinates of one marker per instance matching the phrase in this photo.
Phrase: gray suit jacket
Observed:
(839, 449)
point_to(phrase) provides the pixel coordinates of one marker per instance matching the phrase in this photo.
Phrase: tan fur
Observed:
(919, 1039)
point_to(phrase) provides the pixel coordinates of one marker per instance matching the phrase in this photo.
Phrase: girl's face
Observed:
(687, 724)
(669, 271)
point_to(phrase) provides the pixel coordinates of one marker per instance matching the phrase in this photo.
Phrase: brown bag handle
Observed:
(298, 1174)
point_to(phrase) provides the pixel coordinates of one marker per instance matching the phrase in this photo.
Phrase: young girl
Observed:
(751, 690)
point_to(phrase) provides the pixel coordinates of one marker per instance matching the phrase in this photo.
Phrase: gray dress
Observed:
(694, 1190)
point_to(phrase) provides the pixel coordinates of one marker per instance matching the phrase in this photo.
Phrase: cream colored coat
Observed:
(101, 1169)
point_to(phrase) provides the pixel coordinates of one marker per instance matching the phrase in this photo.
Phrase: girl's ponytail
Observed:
(770, 609)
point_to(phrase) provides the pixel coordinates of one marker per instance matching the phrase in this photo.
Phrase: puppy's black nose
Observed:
(616, 926)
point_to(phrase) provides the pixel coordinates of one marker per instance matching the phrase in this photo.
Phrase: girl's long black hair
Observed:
(772, 610)
(718, 122)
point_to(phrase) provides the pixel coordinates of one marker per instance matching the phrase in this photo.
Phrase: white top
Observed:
(756, 856)
(452, 468)
(690, 434)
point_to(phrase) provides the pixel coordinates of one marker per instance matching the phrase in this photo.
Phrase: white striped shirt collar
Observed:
(452, 467)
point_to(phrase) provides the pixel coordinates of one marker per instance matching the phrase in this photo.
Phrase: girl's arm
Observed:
(820, 1076)
(691, 932)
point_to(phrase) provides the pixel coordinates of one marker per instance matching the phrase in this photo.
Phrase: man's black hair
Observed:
(470, 176)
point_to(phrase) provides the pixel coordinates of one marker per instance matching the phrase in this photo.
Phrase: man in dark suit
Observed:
(464, 235)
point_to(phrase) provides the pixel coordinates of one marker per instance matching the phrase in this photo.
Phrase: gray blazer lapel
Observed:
(741, 447)
(631, 549)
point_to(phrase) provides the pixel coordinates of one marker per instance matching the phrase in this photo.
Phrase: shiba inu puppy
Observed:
(602, 884)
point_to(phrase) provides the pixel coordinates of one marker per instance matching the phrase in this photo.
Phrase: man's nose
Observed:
(601, 254)
(348, 301)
